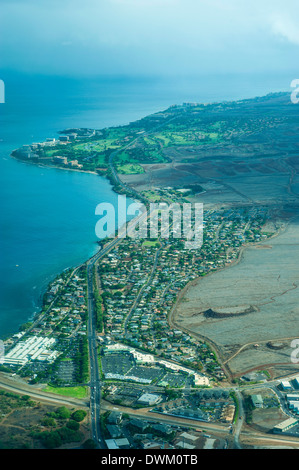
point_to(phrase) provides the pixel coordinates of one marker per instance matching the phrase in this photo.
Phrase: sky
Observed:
(149, 37)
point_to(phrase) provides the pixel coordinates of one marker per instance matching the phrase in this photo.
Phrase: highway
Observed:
(95, 380)
(16, 385)
(95, 384)
(145, 413)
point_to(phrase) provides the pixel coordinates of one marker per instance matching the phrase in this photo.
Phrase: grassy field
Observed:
(151, 195)
(97, 146)
(149, 243)
(163, 138)
(189, 137)
(74, 392)
(130, 169)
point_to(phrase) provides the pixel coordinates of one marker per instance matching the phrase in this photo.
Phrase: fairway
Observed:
(130, 169)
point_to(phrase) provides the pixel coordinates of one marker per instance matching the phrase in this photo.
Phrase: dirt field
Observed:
(260, 297)
(15, 428)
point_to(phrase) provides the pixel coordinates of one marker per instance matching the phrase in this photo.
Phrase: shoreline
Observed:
(55, 167)
(116, 183)
(34, 315)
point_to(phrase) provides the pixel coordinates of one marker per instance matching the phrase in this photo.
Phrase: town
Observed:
(107, 337)
(143, 362)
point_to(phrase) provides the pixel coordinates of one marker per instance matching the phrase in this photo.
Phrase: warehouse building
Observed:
(35, 348)
(285, 425)
(292, 396)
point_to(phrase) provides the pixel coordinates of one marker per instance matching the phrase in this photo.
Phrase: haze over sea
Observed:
(48, 215)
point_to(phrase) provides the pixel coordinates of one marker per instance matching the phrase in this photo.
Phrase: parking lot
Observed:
(117, 364)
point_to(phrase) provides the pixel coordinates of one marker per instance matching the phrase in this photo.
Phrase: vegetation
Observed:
(236, 402)
(75, 392)
(10, 401)
(79, 415)
(67, 428)
(98, 303)
(89, 444)
(248, 407)
(74, 425)
(54, 439)
(130, 169)
(81, 360)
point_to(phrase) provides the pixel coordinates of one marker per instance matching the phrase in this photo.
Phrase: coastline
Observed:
(41, 165)
(120, 188)
(34, 316)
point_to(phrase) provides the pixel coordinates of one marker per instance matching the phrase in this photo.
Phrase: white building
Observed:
(111, 444)
(35, 348)
(286, 385)
(285, 425)
(292, 396)
(149, 399)
(294, 406)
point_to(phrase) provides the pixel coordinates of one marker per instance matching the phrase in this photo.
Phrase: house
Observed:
(257, 401)
(122, 443)
(111, 444)
(162, 429)
(114, 431)
(115, 417)
(139, 424)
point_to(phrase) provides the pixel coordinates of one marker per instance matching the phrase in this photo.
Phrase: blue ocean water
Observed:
(47, 215)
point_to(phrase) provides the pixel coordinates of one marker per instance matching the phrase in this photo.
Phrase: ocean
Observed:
(48, 215)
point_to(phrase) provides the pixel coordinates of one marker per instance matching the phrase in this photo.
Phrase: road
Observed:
(113, 154)
(145, 285)
(240, 420)
(167, 419)
(95, 380)
(18, 386)
(95, 384)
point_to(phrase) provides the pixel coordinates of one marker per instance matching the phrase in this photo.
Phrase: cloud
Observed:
(147, 36)
(287, 29)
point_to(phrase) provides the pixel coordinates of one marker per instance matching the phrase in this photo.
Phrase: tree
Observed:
(69, 435)
(79, 415)
(172, 394)
(25, 397)
(49, 422)
(52, 440)
(63, 413)
(74, 425)
(89, 444)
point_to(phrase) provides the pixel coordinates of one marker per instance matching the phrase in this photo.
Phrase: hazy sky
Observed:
(149, 36)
